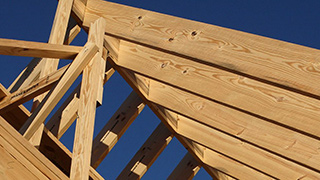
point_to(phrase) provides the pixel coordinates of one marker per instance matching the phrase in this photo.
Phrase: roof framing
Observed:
(241, 104)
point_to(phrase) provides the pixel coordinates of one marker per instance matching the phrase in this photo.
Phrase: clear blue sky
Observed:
(292, 21)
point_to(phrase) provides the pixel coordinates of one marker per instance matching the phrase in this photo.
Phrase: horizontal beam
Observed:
(277, 62)
(37, 49)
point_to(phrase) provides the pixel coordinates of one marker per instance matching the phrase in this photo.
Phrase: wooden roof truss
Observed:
(244, 106)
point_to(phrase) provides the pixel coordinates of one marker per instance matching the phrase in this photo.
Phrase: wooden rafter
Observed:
(241, 104)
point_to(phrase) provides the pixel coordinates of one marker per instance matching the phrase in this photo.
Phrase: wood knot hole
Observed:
(163, 65)
(140, 17)
(170, 39)
(194, 33)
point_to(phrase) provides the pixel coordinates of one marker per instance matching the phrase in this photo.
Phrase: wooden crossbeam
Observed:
(44, 109)
(37, 49)
(147, 154)
(27, 93)
(186, 169)
(88, 99)
(117, 125)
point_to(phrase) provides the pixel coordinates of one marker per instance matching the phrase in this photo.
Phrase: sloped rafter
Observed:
(229, 138)
(186, 169)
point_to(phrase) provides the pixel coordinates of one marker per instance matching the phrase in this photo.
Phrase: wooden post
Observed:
(86, 114)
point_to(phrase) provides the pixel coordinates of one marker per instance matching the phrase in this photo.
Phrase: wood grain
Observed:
(90, 84)
(267, 59)
(278, 139)
(37, 49)
(276, 104)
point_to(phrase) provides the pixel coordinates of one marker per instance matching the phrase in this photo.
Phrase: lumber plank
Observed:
(285, 64)
(34, 89)
(37, 49)
(248, 154)
(281, 140)
(147, 154)
(46, 106)
(142, 87)
(18, 115)
(31, 155)
(58, 124)
(73, 30)
(54, 150)
(117, 125)
(86, 114)
(187, 168)
(276, 104)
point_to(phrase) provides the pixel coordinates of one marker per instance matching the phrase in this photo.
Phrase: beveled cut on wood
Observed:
(244, 106)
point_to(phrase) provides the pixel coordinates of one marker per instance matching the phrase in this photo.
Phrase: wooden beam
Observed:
(147, 154)
(187, 168)
(36, 88)
(243, 152)
(66, 114)
(277, 62)
(55, 151)
(18, 115)
(37, 49)
(26, 154)
(72, 31)
(276, 104)
(142, 87)
(44, 109)
(86, 114)
(117, 125)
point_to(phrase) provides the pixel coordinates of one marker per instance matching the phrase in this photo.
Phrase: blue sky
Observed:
(292, 21)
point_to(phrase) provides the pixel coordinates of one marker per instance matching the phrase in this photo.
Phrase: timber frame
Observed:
(244, 106)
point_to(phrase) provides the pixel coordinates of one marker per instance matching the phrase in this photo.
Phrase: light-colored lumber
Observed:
(187, 168)
(72, 31)
(241, 151)
(65, 115)
(27, 93)
(16, 116)
(37, 49)
(117, 125)
(86, 114)
(46, 106)
(271, 136)
(28, 155)
(63, 118)
(55, 151)
(147, 154)
(286, 64)
(142, 86)
(276, 104)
